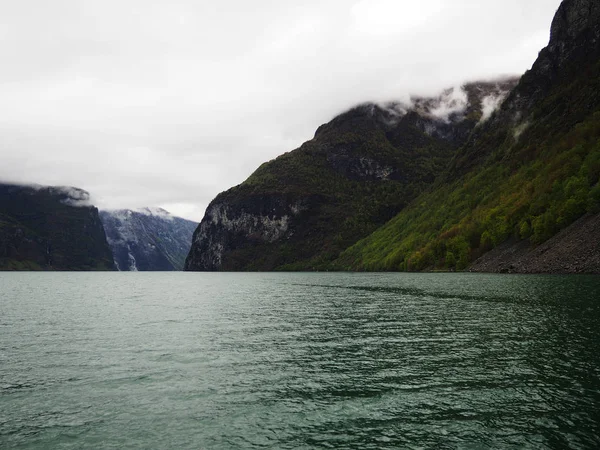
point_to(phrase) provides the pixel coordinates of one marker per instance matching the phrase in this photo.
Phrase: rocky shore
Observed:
(576, 249)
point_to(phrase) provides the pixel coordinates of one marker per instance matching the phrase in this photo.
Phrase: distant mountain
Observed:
(147, 238)
(50, 228)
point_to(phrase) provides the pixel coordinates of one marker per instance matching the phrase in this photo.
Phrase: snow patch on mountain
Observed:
(518, 130)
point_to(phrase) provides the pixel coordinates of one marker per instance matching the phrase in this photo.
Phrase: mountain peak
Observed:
(574, 44)
(50, 228)
(573, 18)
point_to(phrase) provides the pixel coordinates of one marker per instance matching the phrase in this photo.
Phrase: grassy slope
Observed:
(531, 187)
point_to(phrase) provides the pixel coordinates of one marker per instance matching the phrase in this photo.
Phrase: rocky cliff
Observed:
(147, 239)
(50, 228)
(302, 209)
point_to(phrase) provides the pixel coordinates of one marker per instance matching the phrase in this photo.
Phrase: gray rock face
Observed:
(147, 239)
(342, 159)
(226, 227)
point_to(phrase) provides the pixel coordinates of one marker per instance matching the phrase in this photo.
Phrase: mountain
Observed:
(300, 210)
(147, 238)
(438, 183)
(50, 228)
(522, 195)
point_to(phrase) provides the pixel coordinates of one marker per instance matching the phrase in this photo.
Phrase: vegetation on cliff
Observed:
(454, 224)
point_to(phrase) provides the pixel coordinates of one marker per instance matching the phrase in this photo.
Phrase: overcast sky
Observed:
(169, 102)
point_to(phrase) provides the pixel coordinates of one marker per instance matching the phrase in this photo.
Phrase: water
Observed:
(177, 360)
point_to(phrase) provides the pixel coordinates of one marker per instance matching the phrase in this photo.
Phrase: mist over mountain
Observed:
(430, 183)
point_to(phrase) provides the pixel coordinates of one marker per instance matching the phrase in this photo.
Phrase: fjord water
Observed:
(300, 360)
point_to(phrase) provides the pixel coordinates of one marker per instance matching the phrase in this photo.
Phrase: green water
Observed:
(219, 361)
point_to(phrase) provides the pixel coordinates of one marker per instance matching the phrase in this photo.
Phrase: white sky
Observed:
(169, 102)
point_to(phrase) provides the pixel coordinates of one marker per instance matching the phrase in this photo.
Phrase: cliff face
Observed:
(250, 222)
(302, 209)
(50, 228)
(147, 239)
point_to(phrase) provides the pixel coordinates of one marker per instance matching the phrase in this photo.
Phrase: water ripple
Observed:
(356, 361)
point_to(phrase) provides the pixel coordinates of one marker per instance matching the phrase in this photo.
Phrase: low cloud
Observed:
(453, 101)
(73, 196)
(68, 195)
(490, 104)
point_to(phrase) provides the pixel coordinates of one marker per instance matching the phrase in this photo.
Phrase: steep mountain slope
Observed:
(147, 239)
(302, 209)
(528, 172)
(50, 228)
